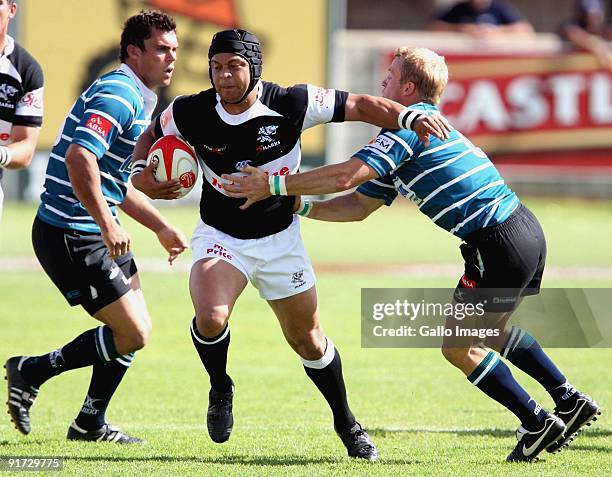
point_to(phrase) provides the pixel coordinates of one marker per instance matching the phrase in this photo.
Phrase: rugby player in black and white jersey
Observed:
(243, 121)
(21, 99)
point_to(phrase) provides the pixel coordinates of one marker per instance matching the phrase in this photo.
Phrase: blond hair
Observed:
(426, 69)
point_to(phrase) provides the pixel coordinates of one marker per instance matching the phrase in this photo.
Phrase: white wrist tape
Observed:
(5, 156)
(305, 208)
(277, 185)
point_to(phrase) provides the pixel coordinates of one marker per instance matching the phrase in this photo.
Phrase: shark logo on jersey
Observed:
(382, 143)
(266, 133)
(7, 91)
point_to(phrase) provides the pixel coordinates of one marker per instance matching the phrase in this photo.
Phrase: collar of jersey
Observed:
(257, 109)
(149, 96)
(9, 47)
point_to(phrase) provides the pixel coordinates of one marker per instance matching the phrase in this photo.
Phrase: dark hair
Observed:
(138, 28)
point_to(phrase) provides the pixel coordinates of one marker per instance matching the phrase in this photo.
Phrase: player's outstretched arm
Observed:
(351, 207)
(84, 174)
(389, 114)
(143, 176)
(137, 207)
(322, 180)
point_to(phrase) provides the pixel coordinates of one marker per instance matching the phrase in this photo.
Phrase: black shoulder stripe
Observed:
(339, 106)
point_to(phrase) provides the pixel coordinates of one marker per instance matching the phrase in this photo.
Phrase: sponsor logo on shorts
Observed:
(297, 279)
(467, 283)
(504, 299)
(219, 251)
(101, 126)
(73, 294)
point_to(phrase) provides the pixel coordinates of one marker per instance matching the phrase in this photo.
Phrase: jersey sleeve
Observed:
(323, 106)
(107, 114)
(29, 110)
(166, 121)
(381, 188)
(387, 151)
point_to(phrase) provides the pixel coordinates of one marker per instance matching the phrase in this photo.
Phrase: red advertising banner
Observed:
(530, 103)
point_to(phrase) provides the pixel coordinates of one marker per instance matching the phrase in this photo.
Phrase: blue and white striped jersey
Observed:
(106, 119)
(453, 182)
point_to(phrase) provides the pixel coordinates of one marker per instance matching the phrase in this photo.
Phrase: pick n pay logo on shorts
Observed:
(382, 143)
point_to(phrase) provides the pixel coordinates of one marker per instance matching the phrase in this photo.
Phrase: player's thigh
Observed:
(298, 315)
(215, 285)
(126, 317)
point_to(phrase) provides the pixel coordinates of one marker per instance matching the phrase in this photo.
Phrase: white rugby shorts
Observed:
(277, 265)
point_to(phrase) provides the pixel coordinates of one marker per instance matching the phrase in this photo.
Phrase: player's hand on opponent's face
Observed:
(435, 124)
(254, 186)
(173, 241)
(145, 182)
(116, 239)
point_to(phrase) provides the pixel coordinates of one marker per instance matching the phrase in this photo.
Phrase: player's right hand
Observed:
(116, 239)
(145, 182)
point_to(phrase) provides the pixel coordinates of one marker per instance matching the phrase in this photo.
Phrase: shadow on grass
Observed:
(236, 459)
(503, 433)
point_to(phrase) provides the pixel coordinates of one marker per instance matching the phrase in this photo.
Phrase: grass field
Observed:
(424, 416)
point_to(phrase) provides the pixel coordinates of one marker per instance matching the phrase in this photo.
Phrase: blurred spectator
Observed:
(483, 19)
(587, 30)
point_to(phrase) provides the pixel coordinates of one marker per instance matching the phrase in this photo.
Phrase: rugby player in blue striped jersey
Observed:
(77, 236)
(455, 184)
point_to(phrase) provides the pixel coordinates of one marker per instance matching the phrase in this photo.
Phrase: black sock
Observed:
(523, 350)
(213, 354)
(93, 346)
(105, 379)
(494, 378)
(326, 373)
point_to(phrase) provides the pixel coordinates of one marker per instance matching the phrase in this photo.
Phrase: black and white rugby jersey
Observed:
(266, 136)
(21, 90)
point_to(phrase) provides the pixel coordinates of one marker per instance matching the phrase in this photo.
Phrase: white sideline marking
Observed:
(443, 270)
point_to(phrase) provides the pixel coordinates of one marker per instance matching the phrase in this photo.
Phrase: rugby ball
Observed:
(174, 159)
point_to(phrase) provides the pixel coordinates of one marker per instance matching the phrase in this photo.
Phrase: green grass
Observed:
(424, 416)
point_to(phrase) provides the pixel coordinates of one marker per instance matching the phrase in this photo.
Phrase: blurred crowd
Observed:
(588, 28)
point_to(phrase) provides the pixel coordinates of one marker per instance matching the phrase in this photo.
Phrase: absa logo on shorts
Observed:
(99, 125)
(467, 283)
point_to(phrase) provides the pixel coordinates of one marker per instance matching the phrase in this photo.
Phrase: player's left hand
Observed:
(435, 124)
(173, 241)
(254, 186)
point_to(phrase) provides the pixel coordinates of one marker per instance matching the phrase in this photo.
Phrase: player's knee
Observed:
(455, 355)
(140, 337)
(309, 345)
(211, 321)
